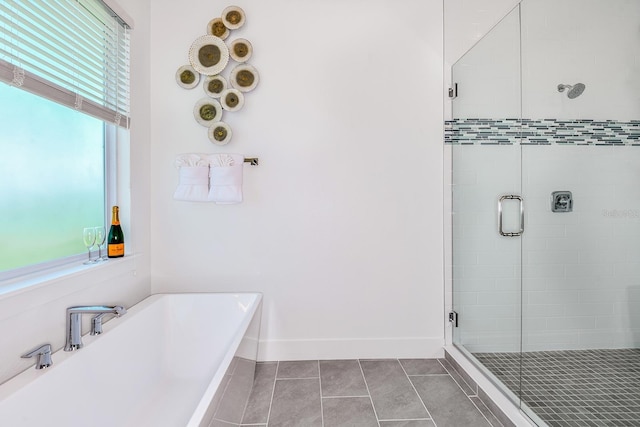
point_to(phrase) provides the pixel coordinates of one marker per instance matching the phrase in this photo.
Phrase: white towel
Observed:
(193, 180)
(225, 178)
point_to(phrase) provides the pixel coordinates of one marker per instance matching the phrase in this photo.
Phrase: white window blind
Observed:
(75, 52)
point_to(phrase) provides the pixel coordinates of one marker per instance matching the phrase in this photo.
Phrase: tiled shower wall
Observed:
(580, 270)
(486, 267)
(514, 70)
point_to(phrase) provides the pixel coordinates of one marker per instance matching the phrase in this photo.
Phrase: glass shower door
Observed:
(487, 207)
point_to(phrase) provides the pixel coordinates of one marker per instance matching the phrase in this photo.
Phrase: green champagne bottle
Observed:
(115, 240)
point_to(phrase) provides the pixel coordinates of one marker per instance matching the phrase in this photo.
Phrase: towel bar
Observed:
(253, 161)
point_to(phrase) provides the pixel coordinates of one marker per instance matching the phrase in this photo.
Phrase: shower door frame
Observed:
(507, 195)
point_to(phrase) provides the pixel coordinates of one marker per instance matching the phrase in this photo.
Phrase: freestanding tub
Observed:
(173, 360)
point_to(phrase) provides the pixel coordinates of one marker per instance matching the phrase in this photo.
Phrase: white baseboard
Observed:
(380, 348)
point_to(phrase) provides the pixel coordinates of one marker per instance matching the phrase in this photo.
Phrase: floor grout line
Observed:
(465, 393)
(273, 392)
(345, 397)
(301, 378)
(456, 381)
(482, 412)
(320, 385)
(364, 378)
(428, 375)
(417, 394)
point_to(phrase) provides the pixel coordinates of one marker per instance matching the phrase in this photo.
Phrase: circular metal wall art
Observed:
(207, 111)
(233, 17)
(187, 77)
(214, 85)
(240, 50)
(232, 100)
(244, 77)
(209, 55)
(220, 133)
(216, 27)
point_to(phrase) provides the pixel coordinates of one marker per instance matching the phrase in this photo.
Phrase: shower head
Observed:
(574, 90)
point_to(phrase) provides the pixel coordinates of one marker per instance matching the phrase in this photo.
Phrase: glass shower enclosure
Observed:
(545, 209)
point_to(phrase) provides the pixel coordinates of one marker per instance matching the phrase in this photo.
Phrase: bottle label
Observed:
(115, 250)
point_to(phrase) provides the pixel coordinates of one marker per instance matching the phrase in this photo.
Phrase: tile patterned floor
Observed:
(574, 388)
(363, 393)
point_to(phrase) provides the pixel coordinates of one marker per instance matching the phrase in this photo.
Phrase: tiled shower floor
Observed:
(363, 393)
(574, 388)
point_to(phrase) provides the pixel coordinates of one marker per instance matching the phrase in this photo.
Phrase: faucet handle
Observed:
(43, 354)
(96, 324)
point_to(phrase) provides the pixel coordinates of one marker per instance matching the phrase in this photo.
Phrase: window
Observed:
(51, 178)
(64, 88)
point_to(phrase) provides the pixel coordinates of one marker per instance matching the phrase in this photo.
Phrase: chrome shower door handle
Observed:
(521, 204)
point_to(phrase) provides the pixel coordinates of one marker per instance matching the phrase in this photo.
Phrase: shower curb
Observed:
(478, 391)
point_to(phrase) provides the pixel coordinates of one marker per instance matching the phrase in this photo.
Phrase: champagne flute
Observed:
(100, 238)
(89, 238)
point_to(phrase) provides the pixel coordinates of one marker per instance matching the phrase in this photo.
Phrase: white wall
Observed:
(341, 227)
(37, 315)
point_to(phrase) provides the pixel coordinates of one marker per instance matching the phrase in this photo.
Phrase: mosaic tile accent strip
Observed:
(574, 387)
(541, 132)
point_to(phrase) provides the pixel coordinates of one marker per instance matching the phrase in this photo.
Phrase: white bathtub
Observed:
(173, 360)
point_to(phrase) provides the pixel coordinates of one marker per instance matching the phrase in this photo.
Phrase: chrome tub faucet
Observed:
(96, 323)
(74, 322)
(42, 355)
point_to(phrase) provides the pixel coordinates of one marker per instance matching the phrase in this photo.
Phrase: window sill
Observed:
(72, 277)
